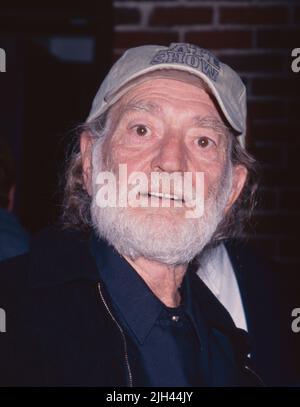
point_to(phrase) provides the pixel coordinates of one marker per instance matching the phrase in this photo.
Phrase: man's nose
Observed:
(170, 155)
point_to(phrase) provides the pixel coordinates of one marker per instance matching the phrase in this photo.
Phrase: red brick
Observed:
(277, 177)
(254, 63)
(277, 132)
(116, 55)
(266, 199)
(266, 109)
(169, 16)
(280, 38)
(289, 248)
(297, 15)
(266, 247)
(293, 110)
(293, 156)
(276, 86)
(124, 15)
(286, 225)
(127, 39)
(254, 15)
(271, 155)
(220, 39)
(290, 199)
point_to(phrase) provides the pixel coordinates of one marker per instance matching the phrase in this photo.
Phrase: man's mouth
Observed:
(162, 195)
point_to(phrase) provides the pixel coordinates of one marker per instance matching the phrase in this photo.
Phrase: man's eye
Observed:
(141, 130)
(204, 142)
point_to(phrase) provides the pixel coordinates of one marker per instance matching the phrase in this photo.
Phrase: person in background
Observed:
(14, 240)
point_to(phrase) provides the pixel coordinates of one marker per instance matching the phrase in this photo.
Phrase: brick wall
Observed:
(256, 39)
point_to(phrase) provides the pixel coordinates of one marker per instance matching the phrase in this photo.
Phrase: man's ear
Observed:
(239, 177)
(86, 159)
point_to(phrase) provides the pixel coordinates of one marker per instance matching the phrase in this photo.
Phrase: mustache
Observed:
(180, 187)
(173, 186)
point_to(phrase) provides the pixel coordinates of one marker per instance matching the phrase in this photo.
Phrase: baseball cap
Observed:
(223, 82)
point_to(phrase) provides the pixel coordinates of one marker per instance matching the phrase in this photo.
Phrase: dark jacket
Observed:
(269, 294)
(60, 329)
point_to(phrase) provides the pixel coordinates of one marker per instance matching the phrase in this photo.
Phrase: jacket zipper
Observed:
(122, 333)
(255, 375)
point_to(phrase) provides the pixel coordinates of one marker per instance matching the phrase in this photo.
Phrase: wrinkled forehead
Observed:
(172, 74)
(180, 76)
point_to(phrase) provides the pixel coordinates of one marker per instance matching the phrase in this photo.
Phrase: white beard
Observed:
(154, 236)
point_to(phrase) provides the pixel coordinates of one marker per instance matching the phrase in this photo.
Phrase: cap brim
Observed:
(113, 97)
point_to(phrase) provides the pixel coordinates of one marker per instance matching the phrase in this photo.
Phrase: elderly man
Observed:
(111, 299)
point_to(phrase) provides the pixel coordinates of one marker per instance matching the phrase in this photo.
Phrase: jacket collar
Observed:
(58, 257)
(131, 296)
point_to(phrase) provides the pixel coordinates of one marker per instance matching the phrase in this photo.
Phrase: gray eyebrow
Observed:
(211, 122)
(147, 106)
(200, 121)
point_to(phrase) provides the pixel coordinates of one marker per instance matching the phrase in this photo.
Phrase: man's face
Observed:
(166, 126)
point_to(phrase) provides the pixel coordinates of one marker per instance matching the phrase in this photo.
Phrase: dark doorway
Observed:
(57, 54)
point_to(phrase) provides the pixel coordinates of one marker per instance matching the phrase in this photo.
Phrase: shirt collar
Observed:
(139, 307)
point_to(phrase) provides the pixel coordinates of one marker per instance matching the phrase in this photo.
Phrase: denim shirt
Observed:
(164, 344)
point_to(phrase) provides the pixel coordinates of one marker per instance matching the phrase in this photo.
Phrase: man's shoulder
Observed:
(55, 256)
